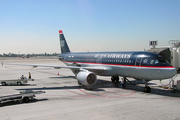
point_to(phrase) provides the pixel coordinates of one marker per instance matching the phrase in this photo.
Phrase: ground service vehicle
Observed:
(15, 81)
(24, 96)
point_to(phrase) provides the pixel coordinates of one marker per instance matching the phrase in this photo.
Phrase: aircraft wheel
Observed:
(147, 89)
(79, 83)
(117, 79)
(25, 99)
(18, 83)
(113, 79)
(3, 83)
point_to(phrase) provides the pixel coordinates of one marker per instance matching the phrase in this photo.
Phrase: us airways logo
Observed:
(113, 55)
(62, 43)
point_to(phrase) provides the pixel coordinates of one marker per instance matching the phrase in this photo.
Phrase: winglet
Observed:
(60, 32)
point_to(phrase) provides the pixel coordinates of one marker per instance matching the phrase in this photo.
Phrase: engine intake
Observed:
(86, 78)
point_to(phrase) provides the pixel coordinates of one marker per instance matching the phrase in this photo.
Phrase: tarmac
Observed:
(66, 100)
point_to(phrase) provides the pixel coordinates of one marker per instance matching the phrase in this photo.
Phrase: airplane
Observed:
(87, 65)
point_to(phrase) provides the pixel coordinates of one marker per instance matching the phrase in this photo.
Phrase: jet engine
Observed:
(86, 78)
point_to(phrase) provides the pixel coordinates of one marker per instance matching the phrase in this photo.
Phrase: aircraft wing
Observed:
(91, 68)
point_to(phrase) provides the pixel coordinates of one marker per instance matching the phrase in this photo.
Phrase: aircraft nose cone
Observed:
(172, 72)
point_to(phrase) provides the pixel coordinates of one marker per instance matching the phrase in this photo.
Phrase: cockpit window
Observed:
(152, 61)
(162, 60)
(156, 61)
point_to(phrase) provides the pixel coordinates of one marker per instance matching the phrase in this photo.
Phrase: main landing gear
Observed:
(115, 79)
(147, 89)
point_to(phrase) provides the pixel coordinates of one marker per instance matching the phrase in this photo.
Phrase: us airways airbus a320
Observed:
(87, 65)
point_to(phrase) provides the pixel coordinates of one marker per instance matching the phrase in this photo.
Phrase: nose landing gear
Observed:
(147, 89)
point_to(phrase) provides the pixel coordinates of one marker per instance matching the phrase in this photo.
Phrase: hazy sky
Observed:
(31, 26)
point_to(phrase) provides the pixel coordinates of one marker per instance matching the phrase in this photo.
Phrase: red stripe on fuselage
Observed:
(119, 65)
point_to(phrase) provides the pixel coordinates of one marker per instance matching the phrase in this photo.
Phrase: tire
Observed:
(79, 83)
(113, 79)
(117, 79)
(19, 83)
(26, 99)
(147, 89)
(3, 83)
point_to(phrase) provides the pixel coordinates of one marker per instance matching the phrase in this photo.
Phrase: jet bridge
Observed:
(170, 53)
(165, 52)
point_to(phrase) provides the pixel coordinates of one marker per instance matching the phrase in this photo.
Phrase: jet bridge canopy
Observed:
(165, 52)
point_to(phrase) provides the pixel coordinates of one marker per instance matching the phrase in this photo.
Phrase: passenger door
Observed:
(138, 61)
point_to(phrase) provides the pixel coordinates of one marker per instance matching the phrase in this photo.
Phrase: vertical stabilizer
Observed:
(63, 43)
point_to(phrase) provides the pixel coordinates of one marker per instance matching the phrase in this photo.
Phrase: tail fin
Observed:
(63, 43)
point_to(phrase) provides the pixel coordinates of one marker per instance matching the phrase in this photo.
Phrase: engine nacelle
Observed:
(86, 78)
